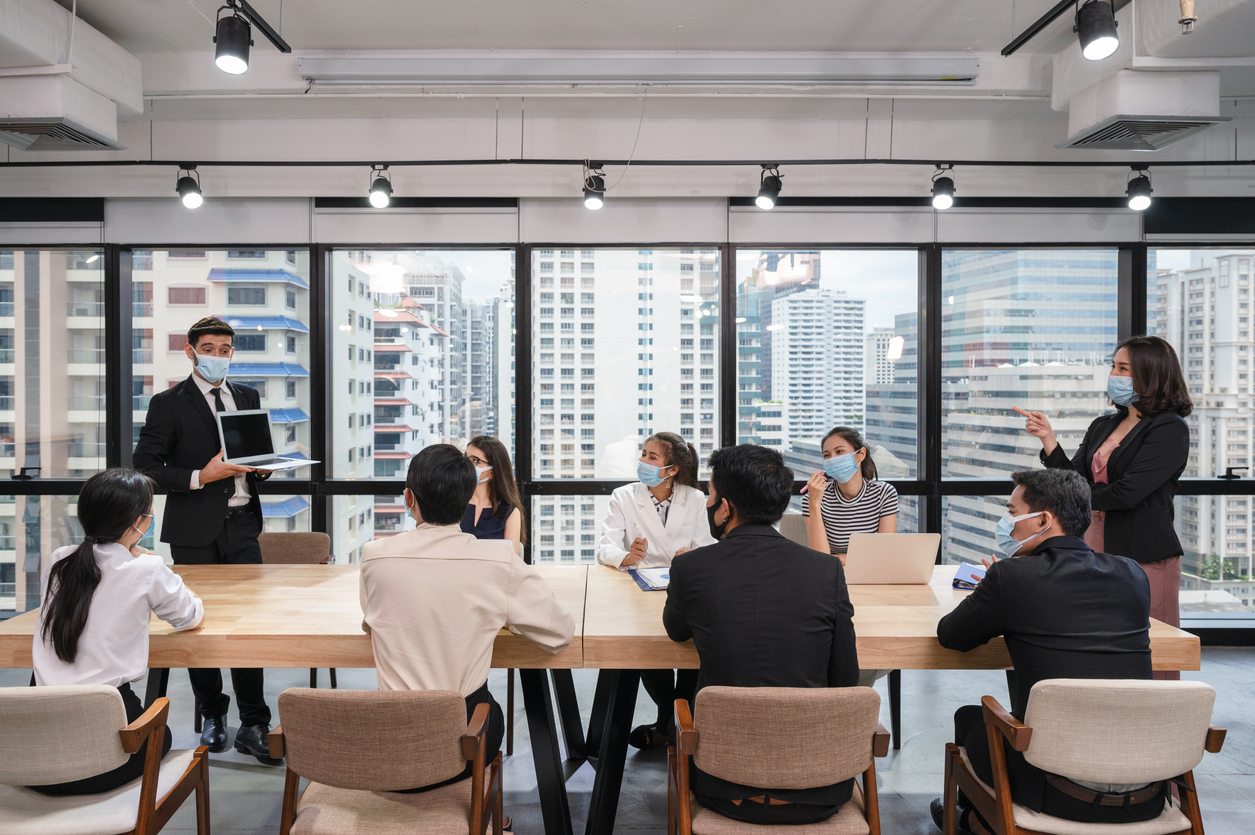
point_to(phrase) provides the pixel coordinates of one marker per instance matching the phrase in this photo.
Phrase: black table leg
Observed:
(550, 780)
(622, 685)
(895, 707)
(597, 719)
(158, 681)
(569, 714)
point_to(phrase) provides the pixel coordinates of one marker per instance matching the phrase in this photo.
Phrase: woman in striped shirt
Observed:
(852, 500)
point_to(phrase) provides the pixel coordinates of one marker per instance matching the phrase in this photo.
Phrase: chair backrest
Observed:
(793, 526)
(378, 740)
(785, 737)
(1114, 731)
(294, 548)
(59, 734)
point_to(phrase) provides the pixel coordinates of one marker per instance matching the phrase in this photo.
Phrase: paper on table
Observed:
(968, 576)
(655, 578)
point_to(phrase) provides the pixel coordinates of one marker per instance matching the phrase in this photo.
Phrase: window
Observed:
(176, 342)
(252, 296)
(250, 342)
(185, 295)
(560, 525)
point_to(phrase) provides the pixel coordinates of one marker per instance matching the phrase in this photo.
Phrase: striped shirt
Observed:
(861, 514)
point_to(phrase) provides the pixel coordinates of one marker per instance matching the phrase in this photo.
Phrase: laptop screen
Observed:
(246, 435)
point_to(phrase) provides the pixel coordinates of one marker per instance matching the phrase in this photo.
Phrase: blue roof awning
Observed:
(281, 276)
(267, 323)
(284, 509)
(288, 416)
(266, 369)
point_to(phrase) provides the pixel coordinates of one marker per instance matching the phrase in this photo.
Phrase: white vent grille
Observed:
(1140, 133)
(52, 134)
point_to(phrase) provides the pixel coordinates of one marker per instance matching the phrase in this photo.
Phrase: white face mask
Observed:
(481, 474)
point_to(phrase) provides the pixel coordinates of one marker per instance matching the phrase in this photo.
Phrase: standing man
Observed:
(213, 514)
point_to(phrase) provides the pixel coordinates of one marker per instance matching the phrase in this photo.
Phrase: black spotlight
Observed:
(943, 188)
(1096, 27)
(188, 187)
(594, 186)
(380, 186)
(1139, 190)
(234, 37)
(768, 188)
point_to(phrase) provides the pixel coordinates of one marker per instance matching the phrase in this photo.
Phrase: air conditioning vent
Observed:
(52, 134)
(1140, 133)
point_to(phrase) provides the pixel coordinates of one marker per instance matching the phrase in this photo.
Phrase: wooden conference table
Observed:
(309, 616)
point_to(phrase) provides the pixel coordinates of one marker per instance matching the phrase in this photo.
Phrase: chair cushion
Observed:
(849, 821)
(1171, 821)
(27, 812)
(326, 810)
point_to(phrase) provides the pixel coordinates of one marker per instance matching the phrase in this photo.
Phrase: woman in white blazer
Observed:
(649, 523)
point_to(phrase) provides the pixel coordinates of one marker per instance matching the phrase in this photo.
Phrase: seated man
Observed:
(434, 598)
(1065, 612)
(763, 612)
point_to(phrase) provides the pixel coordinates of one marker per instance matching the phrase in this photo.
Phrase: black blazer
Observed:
(1065, 611)
(764, 611)
(181, 435)
(1143, 472)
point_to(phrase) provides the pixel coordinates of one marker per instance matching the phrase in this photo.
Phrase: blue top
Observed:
(489, 526)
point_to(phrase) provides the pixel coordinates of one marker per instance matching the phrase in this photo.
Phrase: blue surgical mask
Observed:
(213, 369)
(841, 467)
(1120, 390)
(648, 474)
(1008, 544)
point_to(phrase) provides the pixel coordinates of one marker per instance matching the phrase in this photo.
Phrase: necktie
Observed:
(219, 406)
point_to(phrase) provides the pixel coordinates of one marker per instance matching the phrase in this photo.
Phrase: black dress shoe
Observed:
(253, 739)
(938, 811)
(214, 733)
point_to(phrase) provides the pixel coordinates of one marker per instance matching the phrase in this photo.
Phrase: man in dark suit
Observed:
(213, 513)
(1065, 611)
(763, 611)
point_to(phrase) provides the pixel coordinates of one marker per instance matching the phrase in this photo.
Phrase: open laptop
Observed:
(248, 441)
(903, 559)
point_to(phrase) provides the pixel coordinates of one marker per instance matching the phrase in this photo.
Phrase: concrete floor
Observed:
(245, 795)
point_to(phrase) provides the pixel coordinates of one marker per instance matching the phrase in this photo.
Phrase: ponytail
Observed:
(680, 454)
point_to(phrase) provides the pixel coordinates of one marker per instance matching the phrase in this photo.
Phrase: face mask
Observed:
(1008, 544)
(716, 530)
(1120, 390)
(143, 534)
(649, 475)
(841, 467)
(213, 369)
(480, 472)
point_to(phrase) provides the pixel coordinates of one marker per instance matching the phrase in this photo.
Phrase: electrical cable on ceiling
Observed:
(640, 122)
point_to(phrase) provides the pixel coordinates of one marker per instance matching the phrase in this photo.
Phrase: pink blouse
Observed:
(1094, 537)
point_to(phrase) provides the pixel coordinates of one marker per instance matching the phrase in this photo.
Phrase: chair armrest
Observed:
(1016, 732)
(134, 734)
(473, 738)
(880, 741)
(276, 741)
(1215, 740)
(686, 737)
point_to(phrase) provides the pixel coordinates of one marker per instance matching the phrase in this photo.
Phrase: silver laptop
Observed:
(249, 442)
(901, 559)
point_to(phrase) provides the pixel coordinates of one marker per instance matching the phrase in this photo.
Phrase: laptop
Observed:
(901, 559)
(248, 441)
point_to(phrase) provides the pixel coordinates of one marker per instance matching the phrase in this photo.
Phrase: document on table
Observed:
(652, 579)
(968, 576)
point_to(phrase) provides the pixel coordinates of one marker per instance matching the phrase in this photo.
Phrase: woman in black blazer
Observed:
(1133, 460)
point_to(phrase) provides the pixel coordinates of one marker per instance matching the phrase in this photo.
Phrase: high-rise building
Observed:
(779, 274)
(879, 368)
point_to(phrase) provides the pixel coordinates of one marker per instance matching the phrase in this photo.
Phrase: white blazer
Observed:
(632, 514)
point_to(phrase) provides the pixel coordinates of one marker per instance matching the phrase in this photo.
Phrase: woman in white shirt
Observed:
(851, 499)
(649, 523)
(96, 601)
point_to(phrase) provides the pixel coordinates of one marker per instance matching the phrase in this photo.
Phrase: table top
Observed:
(309, 616)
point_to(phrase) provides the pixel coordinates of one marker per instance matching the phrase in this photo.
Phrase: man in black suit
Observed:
(763, 611)
(213, 514)
(1065, 611)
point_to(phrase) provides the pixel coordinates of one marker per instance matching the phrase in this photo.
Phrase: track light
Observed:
(943, 188)
(188, 187)
(1096, 27)
(233, 38)
(594, 186)
(1139, 190)
(380, 186)
(768, 187)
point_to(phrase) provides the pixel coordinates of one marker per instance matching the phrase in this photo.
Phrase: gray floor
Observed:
(245, 795)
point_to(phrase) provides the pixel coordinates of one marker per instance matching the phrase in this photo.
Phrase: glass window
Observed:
(31, 527)
(635, 385)
(179, 295)
(433, 333)
(567, 529)
(356, 520)
(967, 527)
(820, 345)
(1032, 328)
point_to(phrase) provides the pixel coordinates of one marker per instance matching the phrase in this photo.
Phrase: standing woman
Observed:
(96, 600)
(495, 511)
(1133, 460)
(853, 500)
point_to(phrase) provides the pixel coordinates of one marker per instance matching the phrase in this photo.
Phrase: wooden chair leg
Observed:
(202, 800)
(287, 815)
(509, 712)
(1189, 800)
(313, 677)
(332, 671)
(871, 801)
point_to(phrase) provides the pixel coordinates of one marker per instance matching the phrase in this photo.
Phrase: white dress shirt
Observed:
(242, 496)
(633, 512)
(113, 648)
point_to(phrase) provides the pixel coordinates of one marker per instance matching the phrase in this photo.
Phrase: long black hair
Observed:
(108, 506)
(503, 490)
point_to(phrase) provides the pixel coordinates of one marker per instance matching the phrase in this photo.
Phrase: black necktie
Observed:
(219, 406)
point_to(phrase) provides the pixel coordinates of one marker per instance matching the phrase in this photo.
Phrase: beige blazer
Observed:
(434, 598)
